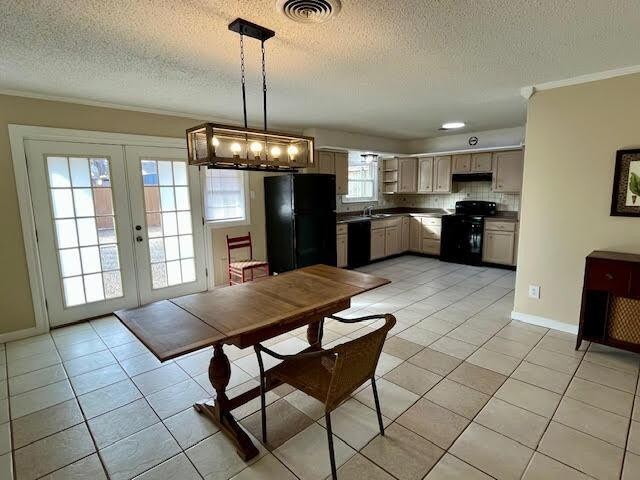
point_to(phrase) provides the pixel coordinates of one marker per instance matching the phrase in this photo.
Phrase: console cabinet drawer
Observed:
(612, 277)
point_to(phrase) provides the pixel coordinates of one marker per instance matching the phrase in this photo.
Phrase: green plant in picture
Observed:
(634, 186)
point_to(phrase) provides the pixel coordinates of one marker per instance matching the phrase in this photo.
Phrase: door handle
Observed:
(139, 238)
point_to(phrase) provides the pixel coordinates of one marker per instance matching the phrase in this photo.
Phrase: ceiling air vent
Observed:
(309, 11)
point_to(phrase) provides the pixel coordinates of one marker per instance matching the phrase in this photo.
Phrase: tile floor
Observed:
(465, 391)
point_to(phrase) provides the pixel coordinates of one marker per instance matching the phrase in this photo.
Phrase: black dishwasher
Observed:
(359, 243)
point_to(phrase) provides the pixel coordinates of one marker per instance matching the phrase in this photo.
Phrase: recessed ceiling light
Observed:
(452, 125)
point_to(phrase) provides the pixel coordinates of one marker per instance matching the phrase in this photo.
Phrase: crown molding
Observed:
(530, 90)
(196, 117)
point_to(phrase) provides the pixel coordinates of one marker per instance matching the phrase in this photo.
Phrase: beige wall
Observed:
(15, 295)
(572, 136)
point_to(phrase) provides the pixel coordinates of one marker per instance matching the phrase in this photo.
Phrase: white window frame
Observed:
(376, 187)
(226, 223)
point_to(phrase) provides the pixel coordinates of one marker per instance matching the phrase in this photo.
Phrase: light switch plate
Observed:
(534, 291)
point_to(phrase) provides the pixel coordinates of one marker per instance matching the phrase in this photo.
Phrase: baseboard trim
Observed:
(20, 334)
(544, 322)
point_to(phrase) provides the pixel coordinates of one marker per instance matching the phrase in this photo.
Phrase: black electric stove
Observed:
(462, 232)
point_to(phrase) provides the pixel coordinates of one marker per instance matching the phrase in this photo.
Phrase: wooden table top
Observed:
(170, 328)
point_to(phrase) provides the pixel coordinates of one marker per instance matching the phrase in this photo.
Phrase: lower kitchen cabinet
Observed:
(342, 250)
(431, 234)
(405, 234)
(392, 241)
(499, 243)
(378, 237)
(415, 234)
(430, 246)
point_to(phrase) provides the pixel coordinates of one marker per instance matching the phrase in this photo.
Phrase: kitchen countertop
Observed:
(347, 217)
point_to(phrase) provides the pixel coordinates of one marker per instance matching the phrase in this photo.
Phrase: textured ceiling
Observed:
(392, 68)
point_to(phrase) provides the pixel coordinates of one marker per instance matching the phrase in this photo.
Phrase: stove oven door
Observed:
(462, 239)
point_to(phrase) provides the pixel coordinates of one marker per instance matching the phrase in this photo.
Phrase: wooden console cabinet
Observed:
(610, 312)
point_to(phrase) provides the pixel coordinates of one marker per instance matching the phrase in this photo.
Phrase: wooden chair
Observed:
(331, 375)
(238, 269)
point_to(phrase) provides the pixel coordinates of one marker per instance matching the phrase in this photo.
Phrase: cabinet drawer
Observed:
(378, 224)
(500, 226)
(341, 229)
(612, 277)
(432, 221)
(431, 246)
(432, 232)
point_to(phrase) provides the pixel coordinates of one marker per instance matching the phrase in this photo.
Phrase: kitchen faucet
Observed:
(370, 209)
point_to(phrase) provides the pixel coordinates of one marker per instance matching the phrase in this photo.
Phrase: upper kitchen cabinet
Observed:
(471, 162)
(507, 171)
(335, 163)
(407, 173)
(425, 175)
(481, 162)
(442, 174)
(390, 175)
(462, 163)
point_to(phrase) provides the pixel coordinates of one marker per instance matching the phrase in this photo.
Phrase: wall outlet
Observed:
(534, 291)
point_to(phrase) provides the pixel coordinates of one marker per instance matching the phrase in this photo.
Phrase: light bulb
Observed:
(256, 148)
(275, 152)
(292, 150)
(235, 149)
(214, 141)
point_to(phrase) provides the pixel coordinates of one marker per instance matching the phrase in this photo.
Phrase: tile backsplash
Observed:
(461, 191)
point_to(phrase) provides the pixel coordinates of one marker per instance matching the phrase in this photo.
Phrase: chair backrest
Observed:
(234, 243)
(356, 362)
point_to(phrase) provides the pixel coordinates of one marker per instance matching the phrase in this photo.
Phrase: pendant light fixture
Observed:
(238, 148)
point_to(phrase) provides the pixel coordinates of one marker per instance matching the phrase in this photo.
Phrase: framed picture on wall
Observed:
(626, 184)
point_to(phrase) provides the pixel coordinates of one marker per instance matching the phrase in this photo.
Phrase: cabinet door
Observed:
(405, 235)
(326, 162)
(498, 247)
(341, 169)
(341, 250)
(481, 162)
(407, 169)
(377, 243)
(442, 176)
(507, 171)
(415, 234)
(462, 163)
(425, 175)
(392, 241)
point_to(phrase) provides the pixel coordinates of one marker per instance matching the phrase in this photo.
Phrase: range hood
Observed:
(472, 177)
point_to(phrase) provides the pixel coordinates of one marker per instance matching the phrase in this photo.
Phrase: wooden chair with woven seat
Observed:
(330, 375)
(241, 271)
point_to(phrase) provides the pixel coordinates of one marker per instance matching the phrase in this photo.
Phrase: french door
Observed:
(117, 226)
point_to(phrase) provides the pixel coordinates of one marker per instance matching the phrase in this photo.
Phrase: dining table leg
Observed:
(314, 335)
(219, 411)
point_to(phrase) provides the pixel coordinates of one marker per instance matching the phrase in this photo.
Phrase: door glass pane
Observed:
(80, 172)
(80, 189)
(83, 199)
(62, 203)
(169, 222)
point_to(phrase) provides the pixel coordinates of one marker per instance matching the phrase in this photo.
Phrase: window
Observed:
(363, 182)
(226, 196)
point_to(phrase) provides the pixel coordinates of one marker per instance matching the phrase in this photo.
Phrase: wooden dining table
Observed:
(244, 315)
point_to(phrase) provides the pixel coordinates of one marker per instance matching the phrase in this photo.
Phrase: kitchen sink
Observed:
(381, 215)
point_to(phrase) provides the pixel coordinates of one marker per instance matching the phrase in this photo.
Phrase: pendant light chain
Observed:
(242, 74)
(264, 86)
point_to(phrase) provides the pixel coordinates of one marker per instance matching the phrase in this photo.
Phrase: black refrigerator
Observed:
(300, 220)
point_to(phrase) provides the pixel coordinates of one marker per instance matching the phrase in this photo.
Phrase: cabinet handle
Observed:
(608, 276)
